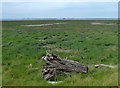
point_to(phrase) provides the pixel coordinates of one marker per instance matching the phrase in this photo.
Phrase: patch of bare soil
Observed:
(113, 48)
(49, 46)
(62, 50)
(41, 40)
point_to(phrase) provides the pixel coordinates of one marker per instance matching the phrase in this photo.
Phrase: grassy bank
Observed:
(76, 40)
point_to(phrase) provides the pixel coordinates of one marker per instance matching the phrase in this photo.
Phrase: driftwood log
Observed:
(103, 66)
(55, 65)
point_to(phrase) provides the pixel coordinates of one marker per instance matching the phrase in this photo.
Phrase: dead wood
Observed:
(55, 65)
(103, 65)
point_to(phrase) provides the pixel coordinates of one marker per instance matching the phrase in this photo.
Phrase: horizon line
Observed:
(5, 19)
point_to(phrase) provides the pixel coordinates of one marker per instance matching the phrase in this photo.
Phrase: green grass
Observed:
(75, 40)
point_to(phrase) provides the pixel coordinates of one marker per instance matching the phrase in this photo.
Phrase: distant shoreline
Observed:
(59, 19)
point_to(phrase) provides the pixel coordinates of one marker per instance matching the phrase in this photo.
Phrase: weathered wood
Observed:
(103, 65)
(55, 65)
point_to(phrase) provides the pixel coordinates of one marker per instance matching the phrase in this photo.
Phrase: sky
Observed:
(23, 10)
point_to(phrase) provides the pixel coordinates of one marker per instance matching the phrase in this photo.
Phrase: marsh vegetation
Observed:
(76, 40)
